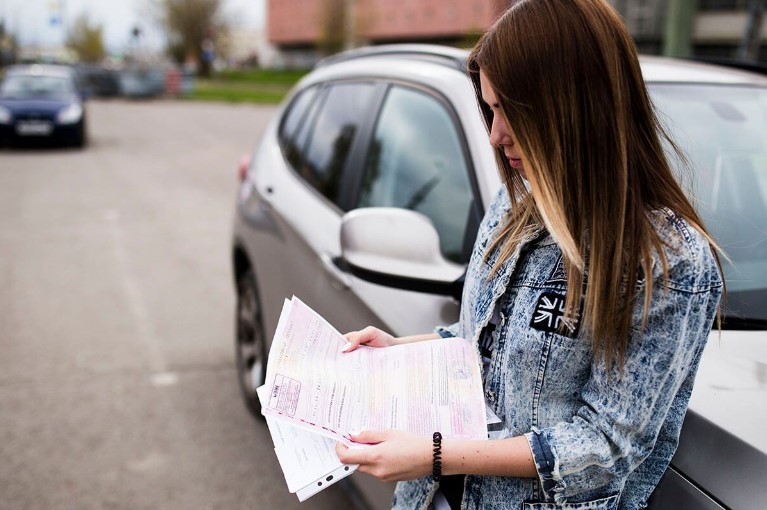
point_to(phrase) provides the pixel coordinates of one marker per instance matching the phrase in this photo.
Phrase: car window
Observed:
(416, 161)
(294, 123)
(18, 86)
(723, 132)
(338, 121)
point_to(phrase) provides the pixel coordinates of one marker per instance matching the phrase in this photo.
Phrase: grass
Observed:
(253, 86)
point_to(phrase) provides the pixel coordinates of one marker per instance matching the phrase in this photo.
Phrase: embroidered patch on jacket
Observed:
(558, 275)
(549, 315)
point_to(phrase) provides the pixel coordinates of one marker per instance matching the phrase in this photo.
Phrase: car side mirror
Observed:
(398, 248)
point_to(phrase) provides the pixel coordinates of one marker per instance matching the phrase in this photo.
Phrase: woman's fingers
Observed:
(353, 340)
(369, 436)
(354, 455)
(369, 336)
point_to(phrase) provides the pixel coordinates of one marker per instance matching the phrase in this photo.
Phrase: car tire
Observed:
(80, 139)
(250, 342)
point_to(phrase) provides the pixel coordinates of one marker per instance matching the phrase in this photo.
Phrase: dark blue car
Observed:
(42, 103)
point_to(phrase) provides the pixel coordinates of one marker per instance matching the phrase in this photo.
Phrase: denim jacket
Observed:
(600, 439)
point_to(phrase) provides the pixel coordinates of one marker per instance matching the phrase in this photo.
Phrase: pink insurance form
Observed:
(418, 387)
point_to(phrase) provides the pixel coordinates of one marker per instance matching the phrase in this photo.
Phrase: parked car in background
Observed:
(141, 82)
(42, 103)
(98, 81)
(398, 127)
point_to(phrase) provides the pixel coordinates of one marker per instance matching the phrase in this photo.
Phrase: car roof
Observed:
(444, 55)
(654, 69)
(675, 70)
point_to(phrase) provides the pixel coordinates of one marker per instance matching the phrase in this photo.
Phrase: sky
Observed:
(38, 22)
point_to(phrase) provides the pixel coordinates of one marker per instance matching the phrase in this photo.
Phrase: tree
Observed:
(680, 20)
(7, 46)
(86, 39)
(749, 48)
(340, 26)
(333, 24)
(194, 28)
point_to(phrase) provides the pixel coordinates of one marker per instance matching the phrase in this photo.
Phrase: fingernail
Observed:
(346, 347)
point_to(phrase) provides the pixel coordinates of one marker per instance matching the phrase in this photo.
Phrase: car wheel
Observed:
(250, 342)
(80, 139)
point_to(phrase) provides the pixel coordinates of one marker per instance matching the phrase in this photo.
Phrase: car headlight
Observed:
(5, 115)
(71, 114)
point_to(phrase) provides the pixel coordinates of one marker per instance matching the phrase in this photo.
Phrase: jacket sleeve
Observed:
(625, 409)
(450, 331)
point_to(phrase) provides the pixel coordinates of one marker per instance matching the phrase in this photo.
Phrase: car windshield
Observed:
(722, 129)
(18, 86)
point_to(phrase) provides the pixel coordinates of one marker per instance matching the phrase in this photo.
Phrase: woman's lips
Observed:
(514, 162)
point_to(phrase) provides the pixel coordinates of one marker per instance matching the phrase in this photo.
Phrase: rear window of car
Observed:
(318, 130)
(343, 111)
(294, 122)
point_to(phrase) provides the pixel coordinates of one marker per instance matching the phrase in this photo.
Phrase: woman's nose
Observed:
(498, 133)
(495, 139)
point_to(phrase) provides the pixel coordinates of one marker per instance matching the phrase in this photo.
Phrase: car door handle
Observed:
(266, 192)
(338, 278)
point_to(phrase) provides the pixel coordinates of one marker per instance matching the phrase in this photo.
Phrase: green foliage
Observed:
(7, 46)
(253, 86)
(470, 38)
(190, 26)
(86, 39)
(271, 76)
(211, 92)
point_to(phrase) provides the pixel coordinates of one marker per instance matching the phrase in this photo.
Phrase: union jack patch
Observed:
(549, 315)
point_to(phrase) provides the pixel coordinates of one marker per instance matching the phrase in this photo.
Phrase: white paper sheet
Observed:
(315, 395)
(308, 460)
(420, 387)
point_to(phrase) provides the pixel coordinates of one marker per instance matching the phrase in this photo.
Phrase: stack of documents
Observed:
(314, 394)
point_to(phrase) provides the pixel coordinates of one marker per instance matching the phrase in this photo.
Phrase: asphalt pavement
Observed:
(117, 380)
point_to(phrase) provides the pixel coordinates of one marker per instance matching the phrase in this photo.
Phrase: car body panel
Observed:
(276, 209)
(723, 446)
(731, 381)
(671, 70)
(675, 490)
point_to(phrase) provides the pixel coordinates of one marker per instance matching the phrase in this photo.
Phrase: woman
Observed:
(589, 374)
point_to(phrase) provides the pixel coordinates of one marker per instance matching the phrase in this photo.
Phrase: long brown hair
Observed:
(568, 82)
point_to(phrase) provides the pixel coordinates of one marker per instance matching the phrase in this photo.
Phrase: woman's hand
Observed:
(370, 336)
(394, 456)
(374, 337)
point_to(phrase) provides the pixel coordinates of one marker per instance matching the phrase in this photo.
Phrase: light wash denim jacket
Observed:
(598, 442)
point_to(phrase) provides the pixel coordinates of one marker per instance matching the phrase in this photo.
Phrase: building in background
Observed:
(247, 47)
(300, 29)
(718, 29)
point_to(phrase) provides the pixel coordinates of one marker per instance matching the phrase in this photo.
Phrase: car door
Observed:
(321, 152)
(418, 159)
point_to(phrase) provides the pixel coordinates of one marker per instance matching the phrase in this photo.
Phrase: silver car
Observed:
(363, 199)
